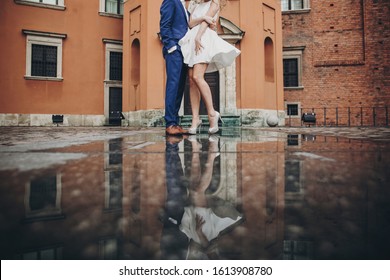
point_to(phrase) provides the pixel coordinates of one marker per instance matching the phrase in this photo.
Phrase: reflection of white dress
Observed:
(212, 227)
(216, 51)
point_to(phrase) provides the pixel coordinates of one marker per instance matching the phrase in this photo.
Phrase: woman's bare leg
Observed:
(194, 99)
(198, 76)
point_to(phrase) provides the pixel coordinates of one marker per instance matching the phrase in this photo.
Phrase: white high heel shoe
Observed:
(192, 130)
(215, 128)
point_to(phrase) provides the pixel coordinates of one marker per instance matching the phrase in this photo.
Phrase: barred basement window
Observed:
(292, 109)
(116, 66)
(290, 72)
(43, 61)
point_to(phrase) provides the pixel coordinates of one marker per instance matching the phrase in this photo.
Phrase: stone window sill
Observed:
(38, 78)
(303, 11)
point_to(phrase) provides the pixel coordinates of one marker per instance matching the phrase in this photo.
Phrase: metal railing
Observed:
(341, 116)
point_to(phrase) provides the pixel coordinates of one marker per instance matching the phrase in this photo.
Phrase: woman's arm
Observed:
(214, 8)
(194, 22)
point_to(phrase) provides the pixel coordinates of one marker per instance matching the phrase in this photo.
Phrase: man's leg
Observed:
(180, 93)
(174, 67)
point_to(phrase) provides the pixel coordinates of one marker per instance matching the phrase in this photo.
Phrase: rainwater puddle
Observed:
(247, 195)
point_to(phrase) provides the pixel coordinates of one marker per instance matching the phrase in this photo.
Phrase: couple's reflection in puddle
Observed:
(194, 218)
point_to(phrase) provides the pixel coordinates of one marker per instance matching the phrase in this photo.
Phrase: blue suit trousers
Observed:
(176, 79)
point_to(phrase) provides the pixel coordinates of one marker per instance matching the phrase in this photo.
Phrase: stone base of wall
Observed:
(261, 118)
(146, 118)
(46, 120)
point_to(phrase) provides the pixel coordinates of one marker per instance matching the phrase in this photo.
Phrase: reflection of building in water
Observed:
(64, 210)
(113, 174)
(301, 199)
(43, 203)
(331, 187)
(106, 205)
(43, 198)
(260, 171)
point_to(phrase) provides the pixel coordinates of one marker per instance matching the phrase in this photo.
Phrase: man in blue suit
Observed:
(173, 26)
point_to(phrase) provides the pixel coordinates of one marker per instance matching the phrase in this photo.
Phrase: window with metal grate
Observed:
(44, 61)
(290, 72)
(116, 66)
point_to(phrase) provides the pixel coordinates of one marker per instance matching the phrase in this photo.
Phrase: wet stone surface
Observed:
(126, 193)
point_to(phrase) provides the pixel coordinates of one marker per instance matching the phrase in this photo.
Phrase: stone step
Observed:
(228, 121)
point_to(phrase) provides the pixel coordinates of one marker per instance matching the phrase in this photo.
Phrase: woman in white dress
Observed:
(204, 51)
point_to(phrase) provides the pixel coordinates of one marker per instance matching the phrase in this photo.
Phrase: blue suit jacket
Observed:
(173, 23)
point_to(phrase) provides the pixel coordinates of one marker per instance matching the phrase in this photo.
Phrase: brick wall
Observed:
(346, 58)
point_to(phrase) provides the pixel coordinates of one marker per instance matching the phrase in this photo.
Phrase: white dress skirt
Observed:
(216, 52)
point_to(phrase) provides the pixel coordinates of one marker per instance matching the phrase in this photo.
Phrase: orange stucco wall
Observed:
(252, 91)
(82, 90)
(141, 22)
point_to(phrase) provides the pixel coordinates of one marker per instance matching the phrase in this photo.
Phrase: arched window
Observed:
(269, 60)
(135, 62)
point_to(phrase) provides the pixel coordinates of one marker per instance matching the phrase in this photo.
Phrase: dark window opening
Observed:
(292, 178)
(290, 72)
(114, 6)
(292, 140)
(43, 193)
(292, 109)
(116, 66)
(43, 61)
(288, 5)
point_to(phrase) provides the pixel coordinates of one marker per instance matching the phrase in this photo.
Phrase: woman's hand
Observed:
(199, 223)
(198, 45)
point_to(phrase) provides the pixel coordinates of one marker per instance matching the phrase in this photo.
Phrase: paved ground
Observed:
(40, 137)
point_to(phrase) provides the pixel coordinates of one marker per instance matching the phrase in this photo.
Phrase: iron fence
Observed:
(340, 116)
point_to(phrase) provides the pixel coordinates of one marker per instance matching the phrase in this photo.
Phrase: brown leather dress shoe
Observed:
(174, 130)
(183, 131)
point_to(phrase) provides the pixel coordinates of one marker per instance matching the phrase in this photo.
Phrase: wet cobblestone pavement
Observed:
(246, 193)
